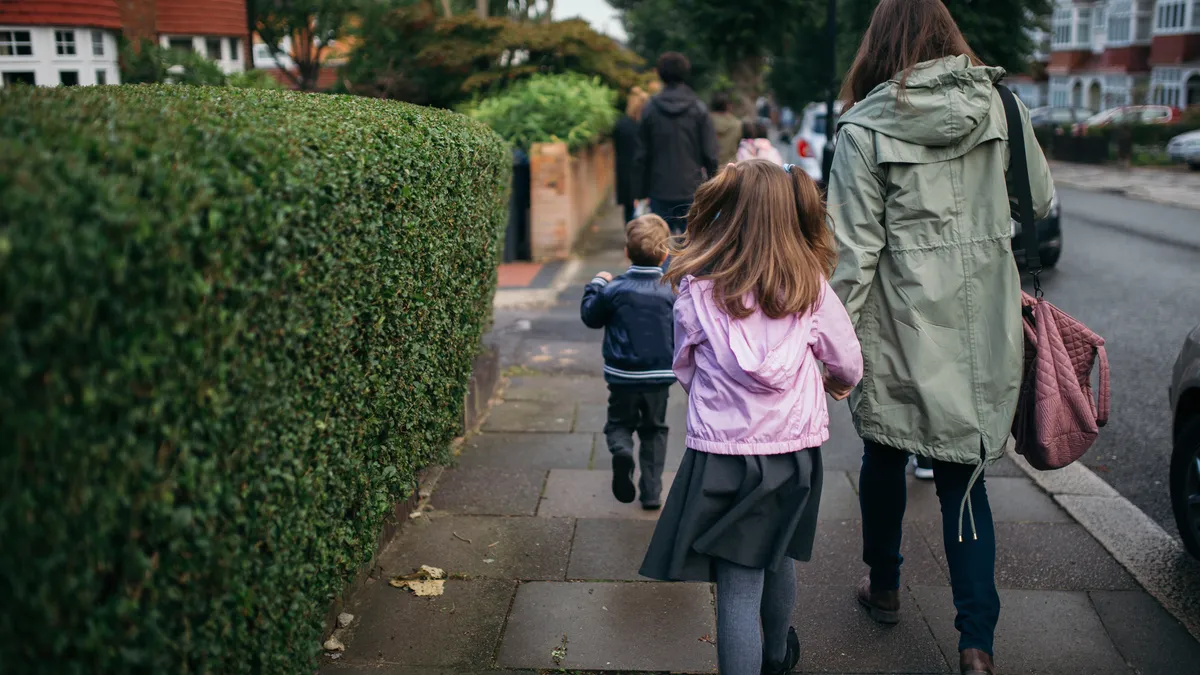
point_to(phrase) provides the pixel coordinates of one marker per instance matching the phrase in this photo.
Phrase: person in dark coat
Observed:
(625, 143)
(678, 151)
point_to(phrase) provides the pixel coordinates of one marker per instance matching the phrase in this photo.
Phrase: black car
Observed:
(1050, 237)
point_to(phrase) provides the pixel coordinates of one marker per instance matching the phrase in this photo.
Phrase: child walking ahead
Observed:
(754, 322)
(635, 312)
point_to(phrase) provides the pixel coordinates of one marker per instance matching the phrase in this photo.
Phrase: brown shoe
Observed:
(975, 662)
(883, 606)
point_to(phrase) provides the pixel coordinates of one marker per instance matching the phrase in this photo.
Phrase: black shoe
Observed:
(652, 504)
(622, 483)
(790, 659)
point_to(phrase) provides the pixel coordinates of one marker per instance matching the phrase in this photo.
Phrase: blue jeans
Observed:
(672, 211)
(882, 493)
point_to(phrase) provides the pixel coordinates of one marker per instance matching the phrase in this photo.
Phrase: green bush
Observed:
(254, 79)
(150, 63)
(570, 107)
(233, 323)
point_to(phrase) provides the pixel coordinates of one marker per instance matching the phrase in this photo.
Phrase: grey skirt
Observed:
(753, 510)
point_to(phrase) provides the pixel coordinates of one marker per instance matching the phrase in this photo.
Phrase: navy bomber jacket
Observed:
(636, 312)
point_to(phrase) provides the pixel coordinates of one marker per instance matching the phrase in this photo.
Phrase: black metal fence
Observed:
(516, 236)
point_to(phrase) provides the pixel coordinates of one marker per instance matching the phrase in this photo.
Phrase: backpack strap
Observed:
(1018, 169)
(1102, 412)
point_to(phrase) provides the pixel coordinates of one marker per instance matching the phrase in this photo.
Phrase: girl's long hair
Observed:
(902, 34)
(760, 234)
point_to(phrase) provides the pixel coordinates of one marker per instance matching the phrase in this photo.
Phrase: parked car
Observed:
(1186, 148)
(1132, 114)
(1050, 237)
(1055, 117)
(810, 138)
(1185, 459)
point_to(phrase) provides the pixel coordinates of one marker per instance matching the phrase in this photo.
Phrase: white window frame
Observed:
(1060, 93)
(1099, 36)
(1166, 86)
(13, 43)
(97, 43)
(1063, 28)
(1120, 30)
(1195, 22)
(64, 43)
(1172, 17)
(220, 44)
(235, 49)
(101, 74)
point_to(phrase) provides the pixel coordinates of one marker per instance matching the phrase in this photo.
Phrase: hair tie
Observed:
(788, 167)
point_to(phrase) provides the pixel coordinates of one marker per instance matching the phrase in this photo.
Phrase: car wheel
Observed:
(1050, 257)
(1185, 485)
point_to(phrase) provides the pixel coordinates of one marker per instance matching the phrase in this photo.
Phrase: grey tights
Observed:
(745, 596)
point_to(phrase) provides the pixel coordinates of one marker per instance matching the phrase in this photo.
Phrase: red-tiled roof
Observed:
(92, 13)
(202, 17)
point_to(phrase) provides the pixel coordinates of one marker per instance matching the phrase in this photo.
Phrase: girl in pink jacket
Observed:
(759, 338)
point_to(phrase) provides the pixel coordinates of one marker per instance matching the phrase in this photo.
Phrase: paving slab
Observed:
(531, 416)
(837, 557)
(591, 417)
(611, 626)
(1043, 632)
(676, 447)
(337, 667)
(459, 628)
(607, 549)
(1046, 556)
(1150, 639)
(485, 490)
(577, 356)
(839, 501)
(487, 547)
(551, 389)
(528, 451)
(571, 493)
(837, 636)
(1012, 500)
(844, 449)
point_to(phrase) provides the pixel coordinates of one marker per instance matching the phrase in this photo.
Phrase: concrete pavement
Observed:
(542, 560)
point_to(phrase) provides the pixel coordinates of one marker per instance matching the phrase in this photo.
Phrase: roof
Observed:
(202, 17)
(91, 13)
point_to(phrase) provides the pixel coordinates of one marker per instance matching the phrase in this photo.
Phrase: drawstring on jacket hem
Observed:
(966, 502)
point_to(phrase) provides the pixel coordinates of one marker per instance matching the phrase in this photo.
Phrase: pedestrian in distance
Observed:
(727, 127)
(921, 213)
(756, 144)
(755, 325)
(626, 136)
(634, 310)
(678, 151)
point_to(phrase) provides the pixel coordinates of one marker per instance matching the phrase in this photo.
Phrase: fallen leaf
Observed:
(426, 581)
(427, 588)
(334, 645)
(344, 619)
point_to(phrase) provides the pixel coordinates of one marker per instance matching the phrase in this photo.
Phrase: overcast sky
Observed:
(603, 18)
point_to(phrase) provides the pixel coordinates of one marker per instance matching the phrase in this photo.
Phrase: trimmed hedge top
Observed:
(573, 108)
(233, 323)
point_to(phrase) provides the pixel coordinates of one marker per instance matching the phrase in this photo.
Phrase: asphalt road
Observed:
(1130, 270)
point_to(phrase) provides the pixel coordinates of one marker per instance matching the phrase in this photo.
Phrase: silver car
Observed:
(1185, 460)
(1186, 148)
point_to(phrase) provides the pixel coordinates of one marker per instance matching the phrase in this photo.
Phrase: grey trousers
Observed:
(642, 410)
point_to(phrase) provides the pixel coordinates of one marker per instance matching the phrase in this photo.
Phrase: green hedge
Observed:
(233, 323)
(572, 108)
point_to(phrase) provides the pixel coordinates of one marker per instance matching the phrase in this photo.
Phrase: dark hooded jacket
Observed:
(678, 151)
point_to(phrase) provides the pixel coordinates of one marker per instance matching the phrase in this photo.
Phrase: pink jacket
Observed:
(755, 385)
(761, 148)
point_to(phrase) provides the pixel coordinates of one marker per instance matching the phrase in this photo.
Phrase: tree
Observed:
(309, 26)
(657, 26)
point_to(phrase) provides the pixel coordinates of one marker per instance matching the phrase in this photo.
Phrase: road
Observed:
(1130, 270)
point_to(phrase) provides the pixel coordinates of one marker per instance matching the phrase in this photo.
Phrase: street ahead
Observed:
(1130, 270)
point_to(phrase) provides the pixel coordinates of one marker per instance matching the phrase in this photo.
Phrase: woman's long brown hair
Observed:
(759, 233)
(902, 34)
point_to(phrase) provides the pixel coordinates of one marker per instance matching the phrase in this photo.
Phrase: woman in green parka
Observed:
(921, 213)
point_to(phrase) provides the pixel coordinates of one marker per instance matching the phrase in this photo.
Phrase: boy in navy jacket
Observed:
(636, 312)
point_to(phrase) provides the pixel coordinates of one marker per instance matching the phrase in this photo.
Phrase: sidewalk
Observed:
(543, 561)
(1173, 186)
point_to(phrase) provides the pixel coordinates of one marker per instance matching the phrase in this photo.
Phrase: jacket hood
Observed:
(946, 101)
(760, 365)
(676, 100)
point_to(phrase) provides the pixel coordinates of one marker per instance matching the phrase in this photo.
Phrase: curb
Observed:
(1151, 555)
(512, 298)
(1128, 193)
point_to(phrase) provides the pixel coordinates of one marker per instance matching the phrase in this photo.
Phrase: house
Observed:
(215, 29)
(59, 42)
(1033, 87)
(1107, 53)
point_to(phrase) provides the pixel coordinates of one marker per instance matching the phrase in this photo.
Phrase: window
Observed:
(1062, 27)
(1196, 14)
(1083, 27)
(1119, 16)
(97, 43)
(64, 42)
(102, 77)
(1100, 25)
(1170, 15)
(1165, 83)
(68, 78)
(1154, 115)
(235, 49)
(19, 78)
(212, 46)
(15, 43)
(180, 44)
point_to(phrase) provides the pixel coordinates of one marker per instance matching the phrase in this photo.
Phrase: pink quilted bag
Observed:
(1057, 417)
